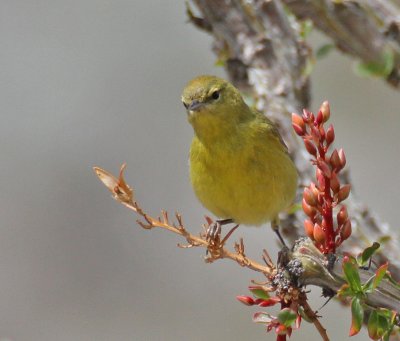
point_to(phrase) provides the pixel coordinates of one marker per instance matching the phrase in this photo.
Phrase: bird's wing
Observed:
(272, 128)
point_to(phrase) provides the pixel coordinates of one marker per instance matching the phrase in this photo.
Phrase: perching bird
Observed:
(240, 169)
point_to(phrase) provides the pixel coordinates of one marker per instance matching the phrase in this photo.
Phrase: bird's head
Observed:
(213, 105)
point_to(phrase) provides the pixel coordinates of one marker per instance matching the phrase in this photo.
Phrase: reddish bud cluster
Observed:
(321, 197)
(278, 324)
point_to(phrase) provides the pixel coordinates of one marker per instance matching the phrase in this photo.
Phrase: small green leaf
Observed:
(262, 317)
(350, 269)
(379, 274)
(378, 325)
(367, 254)
(324, 50)
(259, 292)
(287, 316)
(376, 68)
(357, 315)
(368, 286)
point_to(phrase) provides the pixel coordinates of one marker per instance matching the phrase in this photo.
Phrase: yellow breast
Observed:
(249, 178)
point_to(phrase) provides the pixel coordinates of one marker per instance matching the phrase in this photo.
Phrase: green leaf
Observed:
(368, 286)
(357, 315)
(379, 274)
(324, 50)
(376, 68)
(350, 269)
(367, 254)
(259, 292)
(287, 316)
(378, 325)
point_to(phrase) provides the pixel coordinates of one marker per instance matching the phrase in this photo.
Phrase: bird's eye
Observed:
(215, 94)
(185, 105)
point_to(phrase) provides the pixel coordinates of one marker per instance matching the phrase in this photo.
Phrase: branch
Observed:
(263, 52)
(367, 30)
(316, 271)
(215, 247)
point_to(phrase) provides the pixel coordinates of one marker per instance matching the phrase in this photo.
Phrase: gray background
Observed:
(86, 83)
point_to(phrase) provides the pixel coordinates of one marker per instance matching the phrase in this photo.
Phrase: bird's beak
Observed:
(195, 105)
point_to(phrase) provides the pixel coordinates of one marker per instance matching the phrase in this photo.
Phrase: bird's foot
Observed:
(215, 228)
(213, 234)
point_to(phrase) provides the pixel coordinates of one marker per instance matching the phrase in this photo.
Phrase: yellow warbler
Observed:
(239, 165)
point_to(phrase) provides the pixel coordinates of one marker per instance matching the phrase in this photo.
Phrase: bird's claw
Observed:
(214, 232)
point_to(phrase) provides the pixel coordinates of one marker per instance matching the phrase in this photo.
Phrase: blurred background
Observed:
(98, 82)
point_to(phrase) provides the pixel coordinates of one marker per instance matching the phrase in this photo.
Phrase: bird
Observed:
(240, 169)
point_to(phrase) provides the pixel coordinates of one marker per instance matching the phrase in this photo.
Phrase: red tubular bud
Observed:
(321, 132)
(326, 111)
(308, 210)
(298, 124)
(319, 234)
(320, 118)
(310, 147)
(309, 228)
(335, 160)
(343, 193)
(345, 231)
(307, 116)
(342, 216)
(314, 190)
(321, 179)
(330, 135)
(269, 302)
(323, 166)
(309, 197)
(245, 300)
(342, 158)
(335, 184)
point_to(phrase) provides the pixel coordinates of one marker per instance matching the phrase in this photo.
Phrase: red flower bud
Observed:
(335, 184)
(298, 125)
(319, 234)
(335, 160)
(330, 135)
(309, 197)
(309, 228)
(326, 111)
(308, 210)
(319, 118)
(345, 231)
(310, 147)
(343, 193)
(321, 179)
(245, 300)
(342, 215)
(323, 166)
(342, 158)
(269, 302)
